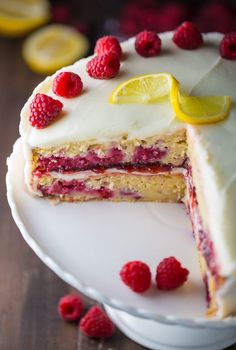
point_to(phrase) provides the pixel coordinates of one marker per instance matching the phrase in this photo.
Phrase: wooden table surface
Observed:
(29, 291)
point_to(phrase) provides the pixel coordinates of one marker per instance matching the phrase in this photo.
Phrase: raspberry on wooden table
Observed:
(108, 44)
(228, 46)
(148, 44)
(96, 324)
(105, 66)
(43, 110)
(70, 307)
(187, 36)
(67, 84)
(170, 274)
(136, 275)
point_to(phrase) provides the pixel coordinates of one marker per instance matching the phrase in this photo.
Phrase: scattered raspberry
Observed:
(170, 16)
(187, 36)
(216, 16)
(108, 44)
(170, 274)
(136, 275)
(43, 110)
(70, 307)
(97, 324)
(228, 46)
(67, 84)
(104, 67)
(148, 44)
(61, 13)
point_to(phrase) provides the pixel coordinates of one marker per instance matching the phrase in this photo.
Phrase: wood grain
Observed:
(29, 291)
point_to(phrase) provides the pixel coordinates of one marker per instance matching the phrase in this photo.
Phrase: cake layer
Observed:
(167, 149)
(162, 187)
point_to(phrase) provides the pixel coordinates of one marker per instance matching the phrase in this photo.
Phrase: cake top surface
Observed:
(91, 116)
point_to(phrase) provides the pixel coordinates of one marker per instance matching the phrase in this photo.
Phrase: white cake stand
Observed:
(87, 243)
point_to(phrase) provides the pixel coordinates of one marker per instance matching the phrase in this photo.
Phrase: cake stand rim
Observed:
(90, 291)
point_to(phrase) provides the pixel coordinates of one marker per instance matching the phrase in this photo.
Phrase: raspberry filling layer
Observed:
(92, 160)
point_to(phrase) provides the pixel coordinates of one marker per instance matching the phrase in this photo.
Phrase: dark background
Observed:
(29, 291)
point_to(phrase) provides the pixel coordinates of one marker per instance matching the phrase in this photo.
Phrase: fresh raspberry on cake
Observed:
(96, 324)
(67, 84)
(136, 275)
(43, 110)
(108, 44)
(170, 274)
(148, 44)
(105, 66)
(187, 36)
(70, 307)
(228, 46)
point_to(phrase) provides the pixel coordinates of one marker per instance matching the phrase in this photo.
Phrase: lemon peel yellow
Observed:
(152, 88)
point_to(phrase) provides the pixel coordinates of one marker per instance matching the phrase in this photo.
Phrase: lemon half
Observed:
(53, 47)
(18, 17)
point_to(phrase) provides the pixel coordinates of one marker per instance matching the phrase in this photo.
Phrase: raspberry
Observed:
(148, 44)
(108, 44)
(70, 307)
(61, 13)
(104, 67)
(136, 275)
(228, 46)
(170, 274)
(96, 324)
(43, 110)
(187, 36)
(67, 84)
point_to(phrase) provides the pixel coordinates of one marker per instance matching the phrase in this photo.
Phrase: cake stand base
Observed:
(159, 336)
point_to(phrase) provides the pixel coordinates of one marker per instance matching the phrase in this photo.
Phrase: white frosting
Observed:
(90, 116)
(201, 71)
(80, 175)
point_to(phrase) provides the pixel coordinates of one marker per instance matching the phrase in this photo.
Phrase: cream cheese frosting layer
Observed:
(90, 116)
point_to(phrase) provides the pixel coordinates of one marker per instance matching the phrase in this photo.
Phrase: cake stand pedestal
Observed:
(159, 336)
(86, 244)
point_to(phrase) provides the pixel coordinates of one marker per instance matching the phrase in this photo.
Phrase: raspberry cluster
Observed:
(106, 64)
(95, 323)
(169, 275)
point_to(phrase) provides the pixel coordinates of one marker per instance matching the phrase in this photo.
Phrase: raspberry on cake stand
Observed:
(86, 244)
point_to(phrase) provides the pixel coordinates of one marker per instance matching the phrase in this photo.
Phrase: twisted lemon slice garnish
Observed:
(152, 88)
(18, 17)
(53, 47)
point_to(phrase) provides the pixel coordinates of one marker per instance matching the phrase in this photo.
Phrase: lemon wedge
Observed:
(152, 88)
(199, 109)
(18, 17)
(143, 89)
(53, 47)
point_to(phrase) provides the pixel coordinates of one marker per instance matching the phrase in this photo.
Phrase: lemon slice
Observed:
(18, 17)
(143, 89)
(199, 109)
(53, 47)
(190, 109)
